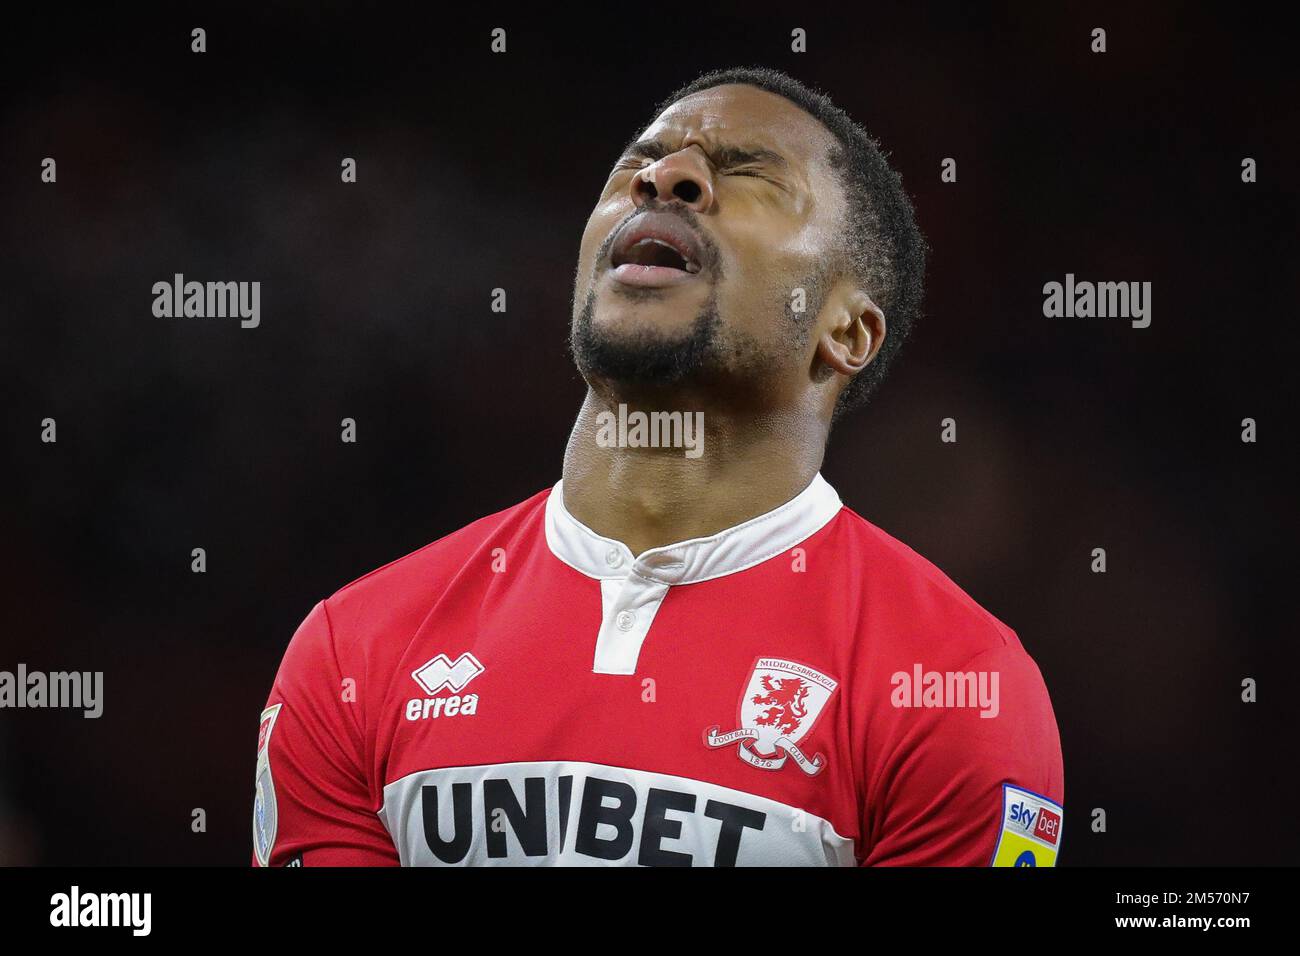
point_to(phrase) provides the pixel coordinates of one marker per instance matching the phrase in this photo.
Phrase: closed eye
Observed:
(638, 164)
(754, 173)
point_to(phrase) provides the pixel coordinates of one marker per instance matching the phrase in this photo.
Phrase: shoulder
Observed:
(903, 594)
(393, 600)
(932, 667)
(447, 552)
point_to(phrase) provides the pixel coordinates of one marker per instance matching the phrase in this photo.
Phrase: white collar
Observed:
(699, 559)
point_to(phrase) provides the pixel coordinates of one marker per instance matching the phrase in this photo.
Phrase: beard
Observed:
(708, 350)
(647, 356)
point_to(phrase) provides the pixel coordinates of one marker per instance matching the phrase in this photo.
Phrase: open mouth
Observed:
(655, 249)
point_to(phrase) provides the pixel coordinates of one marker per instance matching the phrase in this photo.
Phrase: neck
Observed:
(651, 497)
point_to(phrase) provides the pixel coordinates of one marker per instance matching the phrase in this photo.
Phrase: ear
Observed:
(854, 334)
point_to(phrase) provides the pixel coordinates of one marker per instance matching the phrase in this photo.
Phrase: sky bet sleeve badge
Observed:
(264, 813)
(778, 707)
(1031, 829)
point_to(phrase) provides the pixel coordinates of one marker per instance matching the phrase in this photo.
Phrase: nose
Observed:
(683, 175)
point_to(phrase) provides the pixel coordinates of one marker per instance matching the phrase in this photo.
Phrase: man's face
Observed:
(689, 263)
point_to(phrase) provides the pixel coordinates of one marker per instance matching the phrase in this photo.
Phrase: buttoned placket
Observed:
(633, 588)
(629, 604)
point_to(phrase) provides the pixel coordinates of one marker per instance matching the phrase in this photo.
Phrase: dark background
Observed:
(479, 170)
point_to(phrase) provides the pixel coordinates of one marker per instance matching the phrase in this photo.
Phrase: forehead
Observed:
(740, 115)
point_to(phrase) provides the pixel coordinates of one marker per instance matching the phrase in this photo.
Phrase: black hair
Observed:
(883, 246)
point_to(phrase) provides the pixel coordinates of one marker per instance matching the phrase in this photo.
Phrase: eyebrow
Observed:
(723, 156)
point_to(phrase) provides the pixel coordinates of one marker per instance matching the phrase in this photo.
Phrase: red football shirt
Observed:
(801, 689)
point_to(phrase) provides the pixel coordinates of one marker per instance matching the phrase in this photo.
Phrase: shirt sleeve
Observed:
(961, 789)
(312, 801)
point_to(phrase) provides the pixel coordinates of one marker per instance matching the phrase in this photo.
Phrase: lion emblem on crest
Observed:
(779, 705)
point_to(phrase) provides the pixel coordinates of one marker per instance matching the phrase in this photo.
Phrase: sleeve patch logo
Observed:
(264, 810)
(1030, 833)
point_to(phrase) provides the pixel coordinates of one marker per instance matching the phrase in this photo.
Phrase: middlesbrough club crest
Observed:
(778, 708)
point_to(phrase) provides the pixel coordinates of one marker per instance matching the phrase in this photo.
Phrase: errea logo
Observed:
(439, 674)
